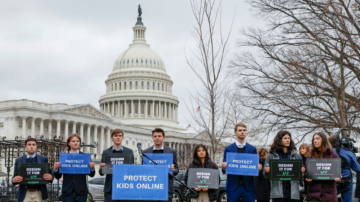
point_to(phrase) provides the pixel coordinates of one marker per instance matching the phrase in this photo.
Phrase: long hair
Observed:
(277, 146)
(305, 146)
(196, 162)
(262, 153)
(323, 148)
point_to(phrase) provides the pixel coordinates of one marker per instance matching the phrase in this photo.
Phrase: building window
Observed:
(148, 83)
(124, 85)
(1, 124)
(37, 127)
(54, 130)
(162, 87)
(128, 61)
(153, 85)
(120, 86)
(158, 86)
(20, 125)
(142, 85)
(115, 86)
(130, 85)
(133, 142)
(46, 128)
(141, 61)
(127, 142)
(146, 61)
(132, 61)
(136, 61)
(29, 126)
(136, 85)
(150, 62)
(112, 87)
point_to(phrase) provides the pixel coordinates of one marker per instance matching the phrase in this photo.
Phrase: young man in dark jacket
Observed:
(117, 137)
(74, 186)
(31, 192)
(158, 136)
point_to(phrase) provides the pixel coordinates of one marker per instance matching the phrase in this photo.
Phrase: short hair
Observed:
(332, 140)
(239, 125)
(305, 146)
(69, 138)
(117, 131)
(158, 130)
(30, 139)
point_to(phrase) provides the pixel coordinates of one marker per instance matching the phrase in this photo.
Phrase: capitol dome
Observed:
(138, 90)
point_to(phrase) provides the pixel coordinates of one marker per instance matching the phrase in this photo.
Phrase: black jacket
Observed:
(175, 172)
(262, 185)
(76, 182)
(212, 192)
(108, 179)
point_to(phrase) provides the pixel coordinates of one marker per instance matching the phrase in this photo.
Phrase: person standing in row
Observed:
(262, 184)
(74, 188)
(201, 159)
(304, 150)
(283, 147)
(240, 186)
(158, 136)
(31, 193)
(321, 190)
(117, 137)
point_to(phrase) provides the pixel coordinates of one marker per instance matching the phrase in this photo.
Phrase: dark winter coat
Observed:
(262, 185)
(322, 190)
(357, 189)
(209, 164)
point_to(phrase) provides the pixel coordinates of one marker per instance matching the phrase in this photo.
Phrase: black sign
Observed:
(203, 177)
(323, 169)
(33, 173)
(285, 170)
(117, 158)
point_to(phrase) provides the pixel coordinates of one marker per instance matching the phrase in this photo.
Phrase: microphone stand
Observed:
(193, 191)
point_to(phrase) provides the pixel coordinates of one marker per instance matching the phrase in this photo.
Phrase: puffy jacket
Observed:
(276, 186)
(322, 190)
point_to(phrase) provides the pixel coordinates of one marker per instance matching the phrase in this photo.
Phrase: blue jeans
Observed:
(346, 193)
(241, 192)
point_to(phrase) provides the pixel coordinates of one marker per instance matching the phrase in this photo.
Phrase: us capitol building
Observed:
(138, 98)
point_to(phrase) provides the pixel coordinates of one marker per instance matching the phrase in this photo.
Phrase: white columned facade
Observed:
(132, 109)
(153, 109)
(66, 131)
(165, 113)
(33, 127)
(74, 127)
(102, 140)
(88, 138)
(82, 133)
(24, 127)
(126, 111)
(50, 128)
(41, 126)
(58, 125)
(146, 109)
(108, 135)
(139, 108)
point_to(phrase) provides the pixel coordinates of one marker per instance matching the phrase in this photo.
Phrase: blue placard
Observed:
(140, 182)
(242, 164)
(160, 159)
(74, 163)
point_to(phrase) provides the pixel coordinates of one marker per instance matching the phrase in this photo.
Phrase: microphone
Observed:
(139, 148)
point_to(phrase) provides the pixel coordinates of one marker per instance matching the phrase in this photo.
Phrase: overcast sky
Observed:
(62, 51)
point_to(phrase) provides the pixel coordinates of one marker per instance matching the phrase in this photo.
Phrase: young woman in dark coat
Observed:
(321, 190)
(262, 184)
(201, 159)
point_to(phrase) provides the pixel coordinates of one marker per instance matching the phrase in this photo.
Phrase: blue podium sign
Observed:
(74, 163)
(140, 182)
(242, 164)
(160, 159)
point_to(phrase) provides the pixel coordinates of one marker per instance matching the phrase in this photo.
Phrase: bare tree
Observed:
(305, 73)
(208, 61)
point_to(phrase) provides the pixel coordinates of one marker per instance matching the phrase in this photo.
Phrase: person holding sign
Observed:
(158, 136)
(321, 190)
(117, 137)
(240, 186)
(201, 159)
(284, 148)
(36, 192)
(74, 186)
